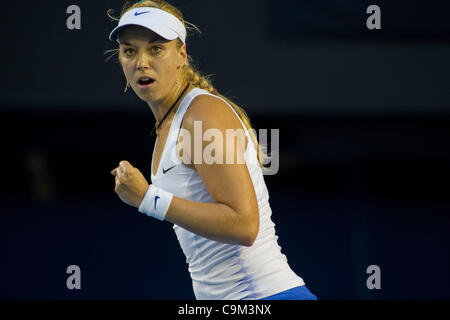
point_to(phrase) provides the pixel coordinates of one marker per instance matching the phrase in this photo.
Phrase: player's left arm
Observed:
(234, 215)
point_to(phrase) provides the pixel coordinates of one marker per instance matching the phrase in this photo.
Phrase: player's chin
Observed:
(145, 95)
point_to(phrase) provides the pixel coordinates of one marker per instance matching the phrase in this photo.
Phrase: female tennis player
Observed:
(218, 205)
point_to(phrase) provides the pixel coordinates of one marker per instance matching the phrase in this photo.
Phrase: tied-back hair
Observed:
(193, 76)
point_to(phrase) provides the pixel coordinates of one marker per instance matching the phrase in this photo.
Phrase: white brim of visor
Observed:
(159, 21)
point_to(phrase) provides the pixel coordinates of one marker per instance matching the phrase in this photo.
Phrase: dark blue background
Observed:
(363, 180)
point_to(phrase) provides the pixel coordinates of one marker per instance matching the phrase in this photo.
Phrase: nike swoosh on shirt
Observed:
(139, 13)
(164, 170)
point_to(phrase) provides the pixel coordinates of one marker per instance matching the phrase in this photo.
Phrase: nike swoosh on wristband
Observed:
(164, 171)
(139, 13)
(156, 199)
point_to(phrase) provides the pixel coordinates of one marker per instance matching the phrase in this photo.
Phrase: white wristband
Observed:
(156, 202)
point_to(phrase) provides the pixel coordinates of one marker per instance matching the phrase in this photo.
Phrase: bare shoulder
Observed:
(213, 112)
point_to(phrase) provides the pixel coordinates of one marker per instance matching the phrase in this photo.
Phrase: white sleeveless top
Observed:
(221, 271)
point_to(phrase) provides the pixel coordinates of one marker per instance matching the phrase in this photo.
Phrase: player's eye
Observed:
(156, 49)
(128, 51)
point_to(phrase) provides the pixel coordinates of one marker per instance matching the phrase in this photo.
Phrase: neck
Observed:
(160, 108)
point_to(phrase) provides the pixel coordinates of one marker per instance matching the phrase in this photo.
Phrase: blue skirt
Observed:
(297, 293)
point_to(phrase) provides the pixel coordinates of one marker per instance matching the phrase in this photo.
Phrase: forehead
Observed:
(138, 33)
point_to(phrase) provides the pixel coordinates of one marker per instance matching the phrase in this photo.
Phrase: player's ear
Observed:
(182, 56)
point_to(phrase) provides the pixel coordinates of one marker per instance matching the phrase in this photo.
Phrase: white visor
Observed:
(159, 21)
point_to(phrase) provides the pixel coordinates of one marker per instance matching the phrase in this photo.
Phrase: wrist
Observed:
(155, 202)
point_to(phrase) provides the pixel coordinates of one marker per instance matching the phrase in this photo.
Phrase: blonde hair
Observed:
(193, 76)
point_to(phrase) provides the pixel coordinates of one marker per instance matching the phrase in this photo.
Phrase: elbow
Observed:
(248, 242)
(250, 235)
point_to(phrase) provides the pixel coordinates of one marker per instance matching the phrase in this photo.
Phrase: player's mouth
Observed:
(145, 82)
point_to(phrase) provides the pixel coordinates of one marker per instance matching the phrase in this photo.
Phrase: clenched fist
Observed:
(131, 184)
